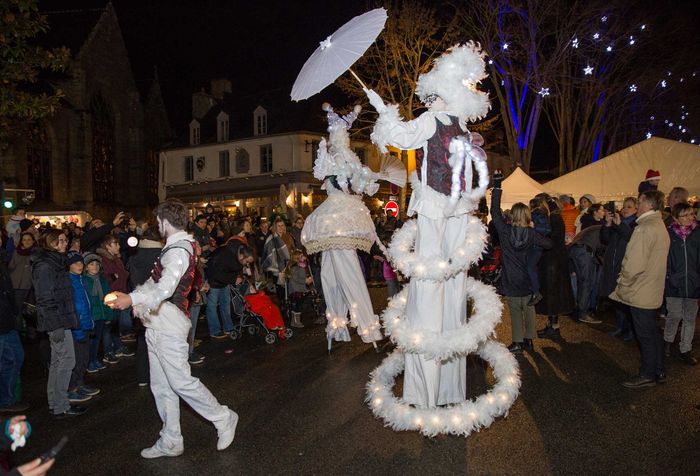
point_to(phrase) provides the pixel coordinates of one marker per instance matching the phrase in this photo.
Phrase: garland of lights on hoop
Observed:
(474, 336)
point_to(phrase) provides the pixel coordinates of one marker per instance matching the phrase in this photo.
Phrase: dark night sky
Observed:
(262, 44)
(258, 44)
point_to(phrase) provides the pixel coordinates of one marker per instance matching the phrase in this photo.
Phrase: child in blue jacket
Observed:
(77, 390)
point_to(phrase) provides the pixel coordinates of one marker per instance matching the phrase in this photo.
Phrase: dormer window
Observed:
(222, 127)
(194, 132)
(259, 121)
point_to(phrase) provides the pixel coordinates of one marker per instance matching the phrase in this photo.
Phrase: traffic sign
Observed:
(393, 189)
(391, 208)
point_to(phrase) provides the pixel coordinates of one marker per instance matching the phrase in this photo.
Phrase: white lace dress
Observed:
(337, 228)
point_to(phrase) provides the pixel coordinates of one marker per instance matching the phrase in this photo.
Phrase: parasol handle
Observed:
(358, 79)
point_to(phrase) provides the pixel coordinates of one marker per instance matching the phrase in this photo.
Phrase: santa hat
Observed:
(653, 175)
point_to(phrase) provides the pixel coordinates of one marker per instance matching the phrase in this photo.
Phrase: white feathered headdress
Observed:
(454, 78)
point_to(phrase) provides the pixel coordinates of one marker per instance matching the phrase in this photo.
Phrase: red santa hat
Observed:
(653, 175)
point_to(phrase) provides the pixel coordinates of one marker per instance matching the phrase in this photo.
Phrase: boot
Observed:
(296, 319)
(528, 345)
(667, 348)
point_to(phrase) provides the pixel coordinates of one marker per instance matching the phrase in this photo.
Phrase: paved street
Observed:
(302, 412)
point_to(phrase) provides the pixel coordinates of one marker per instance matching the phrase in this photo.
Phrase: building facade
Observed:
(98, 153)
(249, 154)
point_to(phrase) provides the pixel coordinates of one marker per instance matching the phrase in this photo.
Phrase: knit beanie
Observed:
(75, 257)
(90, 257)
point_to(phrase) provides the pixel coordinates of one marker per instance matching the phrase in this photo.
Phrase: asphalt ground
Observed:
(302, 412)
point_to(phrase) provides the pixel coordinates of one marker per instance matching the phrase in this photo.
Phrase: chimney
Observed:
(201, 103)
(219, 87)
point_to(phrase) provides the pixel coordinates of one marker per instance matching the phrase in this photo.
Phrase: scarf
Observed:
(683, 232)
(25, 251)
(96, 286)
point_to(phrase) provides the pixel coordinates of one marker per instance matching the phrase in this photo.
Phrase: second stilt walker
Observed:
(340, 226)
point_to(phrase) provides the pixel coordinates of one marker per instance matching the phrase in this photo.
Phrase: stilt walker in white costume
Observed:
(341, 225)
(161, 303)
(428, 319)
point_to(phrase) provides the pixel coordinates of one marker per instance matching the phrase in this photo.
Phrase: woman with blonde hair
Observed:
(517, 240)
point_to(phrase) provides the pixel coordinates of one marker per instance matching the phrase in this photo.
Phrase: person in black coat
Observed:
(517, 240)
(682, 280)
(92, 238)
(139, 267)
(557, 295)
(616, 235)
(56, 316)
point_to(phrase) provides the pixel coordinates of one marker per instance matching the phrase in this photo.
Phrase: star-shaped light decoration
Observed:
(609, 48)
(543, 92)
(588, 70)
(633, 88)
(648, 135)
(604, 19)
(596, 35)
(663, 83)
(505, 46)
(632, 40)
(574, 42)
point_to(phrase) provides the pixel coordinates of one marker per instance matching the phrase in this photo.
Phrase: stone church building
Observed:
(98, 153)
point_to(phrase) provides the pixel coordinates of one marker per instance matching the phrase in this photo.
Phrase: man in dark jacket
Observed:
(615, 235)
(92, 238)
(11, 352)
(224, 268)
(261, 236)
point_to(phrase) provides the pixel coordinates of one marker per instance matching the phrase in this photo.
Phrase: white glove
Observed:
(375, 100)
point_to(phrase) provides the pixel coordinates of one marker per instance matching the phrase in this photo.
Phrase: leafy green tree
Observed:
(24, 96)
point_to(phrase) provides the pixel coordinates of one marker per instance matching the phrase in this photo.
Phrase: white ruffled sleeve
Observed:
(391, 129)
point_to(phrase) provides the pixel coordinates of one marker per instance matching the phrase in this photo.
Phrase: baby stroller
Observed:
(257, 314)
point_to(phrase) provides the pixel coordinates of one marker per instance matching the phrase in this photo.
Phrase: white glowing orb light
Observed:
(133, 242)
(643, 27)
(648, 135)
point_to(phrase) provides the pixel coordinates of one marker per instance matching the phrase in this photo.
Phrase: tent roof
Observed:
(520, 187)
(618, 175)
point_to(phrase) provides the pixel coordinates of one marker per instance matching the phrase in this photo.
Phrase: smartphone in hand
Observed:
(53, 452)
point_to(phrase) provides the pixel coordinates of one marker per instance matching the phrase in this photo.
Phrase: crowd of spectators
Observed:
(639, 257)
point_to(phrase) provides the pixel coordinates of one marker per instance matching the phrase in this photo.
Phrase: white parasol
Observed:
(337, 53)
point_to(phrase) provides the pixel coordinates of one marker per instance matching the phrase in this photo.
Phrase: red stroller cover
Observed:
(261, 303)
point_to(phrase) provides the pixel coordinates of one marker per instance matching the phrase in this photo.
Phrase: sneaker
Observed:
(639, 381)
(161, 449)
(85, 390)
(226, 435)
(667, 348)
(74, 410)
(219, 335)
(128, 338)
(110, 359)
(195, 358)
(17, 407)
(94, 368)
(588, 319)
(534, 299)
(528, 345)
(77, 397)
(516, 348)
(661, 378)
(124, 352)
(549, 333)
(687, 358)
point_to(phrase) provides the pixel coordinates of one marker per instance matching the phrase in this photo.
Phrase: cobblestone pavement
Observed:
(302, 412)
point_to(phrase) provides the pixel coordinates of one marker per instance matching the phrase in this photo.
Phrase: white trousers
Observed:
(171, 379)
(345, 290)
(439, 307)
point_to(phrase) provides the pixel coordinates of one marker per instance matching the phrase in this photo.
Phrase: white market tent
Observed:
(618, 175)
(520, 187)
